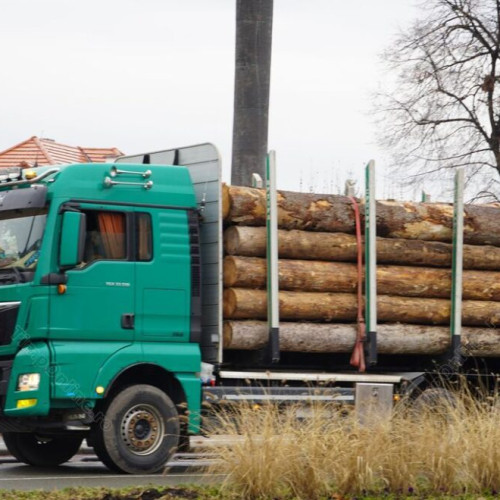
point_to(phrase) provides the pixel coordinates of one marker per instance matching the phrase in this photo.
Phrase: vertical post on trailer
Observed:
(370, 264)
(272, 258)
(457, 268)
(257, 181)
(426, 197)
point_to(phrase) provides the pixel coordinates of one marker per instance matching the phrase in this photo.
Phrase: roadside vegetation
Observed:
(145, 493)
(446, 446)
(188, 493)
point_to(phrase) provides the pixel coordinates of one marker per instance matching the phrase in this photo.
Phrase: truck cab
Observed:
(100, 306)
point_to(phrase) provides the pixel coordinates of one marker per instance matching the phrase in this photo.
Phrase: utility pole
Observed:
(254, 22)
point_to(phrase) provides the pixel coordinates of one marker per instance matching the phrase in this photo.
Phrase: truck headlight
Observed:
(28, 382)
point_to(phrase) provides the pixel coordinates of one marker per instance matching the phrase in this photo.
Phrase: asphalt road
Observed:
(86, 470)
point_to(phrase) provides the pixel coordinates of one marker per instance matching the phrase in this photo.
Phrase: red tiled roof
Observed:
(35, 151)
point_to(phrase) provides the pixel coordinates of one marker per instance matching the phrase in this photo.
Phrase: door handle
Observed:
(128, 320)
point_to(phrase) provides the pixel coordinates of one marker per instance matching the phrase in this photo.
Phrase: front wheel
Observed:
(41, 451)
(139, 432)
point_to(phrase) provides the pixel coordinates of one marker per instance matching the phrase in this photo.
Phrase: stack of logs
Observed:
(318, 274)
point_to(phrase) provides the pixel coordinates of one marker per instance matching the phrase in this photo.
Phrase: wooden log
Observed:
(247, 206)
(294, 337)
(340, 338)
(242, 303)
(295, 244)
(434, 222)
(226, 202)
(334, 213)
(312, 276)
(321, 276)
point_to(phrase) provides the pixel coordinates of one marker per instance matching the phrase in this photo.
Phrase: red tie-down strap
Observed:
(358, 353)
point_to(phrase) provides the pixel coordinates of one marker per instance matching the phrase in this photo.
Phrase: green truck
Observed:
(111, 313)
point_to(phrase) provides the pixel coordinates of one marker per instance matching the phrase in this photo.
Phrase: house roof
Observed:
(37, 151)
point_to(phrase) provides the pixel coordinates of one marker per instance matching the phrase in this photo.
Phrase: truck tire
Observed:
(139, 432)
(41, 451)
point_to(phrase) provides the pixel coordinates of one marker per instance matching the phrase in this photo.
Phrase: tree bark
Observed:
(340, 338)
(242, 303)
(312, 276)
(321, 276)
(254, 21)
(295, 244)
(314, 212)
(334, 213)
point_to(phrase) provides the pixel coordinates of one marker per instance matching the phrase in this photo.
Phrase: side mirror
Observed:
(72, 243)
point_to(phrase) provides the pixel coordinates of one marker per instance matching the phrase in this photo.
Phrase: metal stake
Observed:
(371, 263)
(272, 258)
(457, 267)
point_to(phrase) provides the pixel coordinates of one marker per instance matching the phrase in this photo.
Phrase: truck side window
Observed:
(144, 237)
(105, 236)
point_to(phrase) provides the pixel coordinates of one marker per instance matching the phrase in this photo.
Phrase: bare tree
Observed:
(254, 21)
(443, 110)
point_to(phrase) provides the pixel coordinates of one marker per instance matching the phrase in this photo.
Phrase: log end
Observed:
(227, 334)
(230, 271)
(231, 240)
(226, 202)
(229, 298)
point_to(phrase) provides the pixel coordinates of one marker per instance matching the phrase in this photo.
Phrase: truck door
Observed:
(94, 317)
(163, 279)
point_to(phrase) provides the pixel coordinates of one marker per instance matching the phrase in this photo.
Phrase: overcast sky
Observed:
(152, 74)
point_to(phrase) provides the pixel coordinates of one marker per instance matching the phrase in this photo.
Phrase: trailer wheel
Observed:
(41, 451)
(435, 399)
(139, 432)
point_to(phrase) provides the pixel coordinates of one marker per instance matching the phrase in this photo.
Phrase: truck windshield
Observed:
(20, 241)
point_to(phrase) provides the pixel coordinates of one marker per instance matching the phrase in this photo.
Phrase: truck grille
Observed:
(5, 369)
(8, 317)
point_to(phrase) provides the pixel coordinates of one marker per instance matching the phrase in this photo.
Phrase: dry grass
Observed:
(130, 493)
(451, 449)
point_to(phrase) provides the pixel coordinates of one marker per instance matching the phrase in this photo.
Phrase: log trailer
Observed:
(111, 313)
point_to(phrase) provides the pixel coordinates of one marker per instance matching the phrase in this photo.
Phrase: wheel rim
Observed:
(142, 429)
